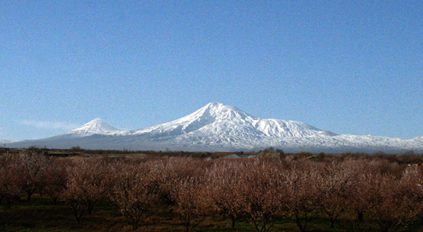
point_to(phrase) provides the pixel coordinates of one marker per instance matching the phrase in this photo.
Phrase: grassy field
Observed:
(42, 215)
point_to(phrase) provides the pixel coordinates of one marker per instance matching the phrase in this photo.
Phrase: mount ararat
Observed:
(219, 127)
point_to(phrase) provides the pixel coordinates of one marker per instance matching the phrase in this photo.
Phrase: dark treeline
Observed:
(359, 191)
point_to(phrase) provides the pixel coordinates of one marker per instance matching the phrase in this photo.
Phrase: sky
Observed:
(350, 66)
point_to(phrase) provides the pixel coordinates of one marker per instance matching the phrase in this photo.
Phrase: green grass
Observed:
(41, 215)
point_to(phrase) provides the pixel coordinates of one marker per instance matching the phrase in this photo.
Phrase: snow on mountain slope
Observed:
(346, 143)
(228, 122)
(281, 128)
(212, 113)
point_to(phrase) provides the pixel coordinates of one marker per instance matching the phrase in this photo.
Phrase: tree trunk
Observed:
(29, 195)
(233, 220)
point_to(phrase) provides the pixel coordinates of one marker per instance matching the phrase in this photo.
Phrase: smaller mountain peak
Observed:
(98, 123)
(4, 141)
(95, 126)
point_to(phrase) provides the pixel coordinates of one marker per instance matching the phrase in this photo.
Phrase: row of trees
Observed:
(362, 192)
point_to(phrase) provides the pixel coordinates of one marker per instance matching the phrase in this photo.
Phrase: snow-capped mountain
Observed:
(96, 126)
(219, 127)
(229, 122)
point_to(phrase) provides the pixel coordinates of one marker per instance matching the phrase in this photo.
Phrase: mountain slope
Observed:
(219, 127)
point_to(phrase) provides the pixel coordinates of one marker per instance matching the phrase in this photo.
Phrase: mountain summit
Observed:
(219, 111)
(219, 127)
(211, 114)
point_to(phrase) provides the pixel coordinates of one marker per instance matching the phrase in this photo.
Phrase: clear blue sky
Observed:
(351, 67)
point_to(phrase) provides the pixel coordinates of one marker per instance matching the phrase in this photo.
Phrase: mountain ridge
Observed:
(220, 127)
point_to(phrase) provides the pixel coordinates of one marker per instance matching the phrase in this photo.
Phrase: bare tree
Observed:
(32, 171)
(302, 193)
(263, 193)
(10, 183)
(224, 188)
(191, 205)
(167, 171)
(359, 201)
(393, 205)
(56, 177)
(134, 193)
(332, 186)
(87, 184)
(412, 189)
